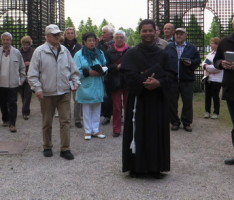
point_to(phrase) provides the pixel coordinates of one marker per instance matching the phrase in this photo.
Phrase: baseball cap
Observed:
(181, 29)
(52, 29)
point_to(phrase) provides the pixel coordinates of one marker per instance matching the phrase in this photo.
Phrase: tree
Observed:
(229, 29)
(69, 23)
(18, 29)
(177, 22)
(195, 32)
(214, 31)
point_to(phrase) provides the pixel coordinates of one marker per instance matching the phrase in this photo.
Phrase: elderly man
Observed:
(52, 75)
(161, 43)
(221, 61)
(71, 43)
(169, 31)
(12, 74)
(184, 59)
(105, 43)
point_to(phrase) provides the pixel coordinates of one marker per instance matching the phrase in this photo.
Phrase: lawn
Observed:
(199, 109)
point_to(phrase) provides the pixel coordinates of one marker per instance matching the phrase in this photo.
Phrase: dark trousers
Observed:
(106, 107)
(212, 90)
(26, 95)
(4, 110)
(230, 104)
(185, 90)
(8, 103)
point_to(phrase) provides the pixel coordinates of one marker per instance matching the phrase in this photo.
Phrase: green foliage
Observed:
(18, 29)
(178, 22)
(84, 27)
(229, 29)
(214, 31)
(69, 23)
(195, 32)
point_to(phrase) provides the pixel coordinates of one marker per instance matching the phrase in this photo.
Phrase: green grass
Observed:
(199, 109)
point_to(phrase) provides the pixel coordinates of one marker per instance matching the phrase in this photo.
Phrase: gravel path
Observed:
(197, 169)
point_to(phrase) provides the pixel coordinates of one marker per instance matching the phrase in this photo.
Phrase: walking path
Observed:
(197, 169)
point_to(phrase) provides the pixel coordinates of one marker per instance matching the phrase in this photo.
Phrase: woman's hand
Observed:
(93, 73)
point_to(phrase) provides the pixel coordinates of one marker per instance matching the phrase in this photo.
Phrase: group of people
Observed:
(107, 76)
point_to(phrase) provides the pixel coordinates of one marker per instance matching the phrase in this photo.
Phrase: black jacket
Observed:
(114, 79)
(227, 44)
(72, 48)
(186, 73)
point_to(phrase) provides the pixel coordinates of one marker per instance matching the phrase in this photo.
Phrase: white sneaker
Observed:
(99, 135)
(214, 116)
(207, 115)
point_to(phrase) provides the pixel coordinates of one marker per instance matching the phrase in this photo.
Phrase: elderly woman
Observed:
(115, 81)
(213, 82)
(90, 61)
(25, 91)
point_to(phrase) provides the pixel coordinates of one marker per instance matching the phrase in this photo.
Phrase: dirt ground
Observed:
(197, 169)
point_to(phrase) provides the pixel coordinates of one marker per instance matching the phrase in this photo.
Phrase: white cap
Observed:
(52, 29)
(181, 30)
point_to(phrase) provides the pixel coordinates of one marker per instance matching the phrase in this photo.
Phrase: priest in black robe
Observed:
(146, 136)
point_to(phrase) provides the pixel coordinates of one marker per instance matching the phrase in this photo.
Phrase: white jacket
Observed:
(17, 73)
(50, 76)
(215, 75)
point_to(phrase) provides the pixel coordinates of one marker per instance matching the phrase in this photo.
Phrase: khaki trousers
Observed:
(48, 106)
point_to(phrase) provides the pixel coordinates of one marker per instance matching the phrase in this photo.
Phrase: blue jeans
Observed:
(230, 105)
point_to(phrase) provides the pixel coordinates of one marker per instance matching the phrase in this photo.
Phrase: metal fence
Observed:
(190, 14)
(30, 17)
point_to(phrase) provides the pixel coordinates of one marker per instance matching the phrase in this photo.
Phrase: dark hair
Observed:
(87, 35)
(146, 21)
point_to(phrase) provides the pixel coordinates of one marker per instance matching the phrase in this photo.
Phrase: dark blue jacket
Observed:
(186, 73)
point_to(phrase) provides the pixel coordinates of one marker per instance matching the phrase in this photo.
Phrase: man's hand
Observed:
(27, 63)
(151, 83)
(40, 95)
(227, 65)
(75, 88)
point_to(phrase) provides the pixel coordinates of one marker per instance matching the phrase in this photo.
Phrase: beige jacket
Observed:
(17, 73)
(49, 75)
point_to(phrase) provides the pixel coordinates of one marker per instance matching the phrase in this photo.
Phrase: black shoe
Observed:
(116, 134)
(157, 175)
(67, 155)
(188, 128)
(175, 127)
(78, 125)
(106, 121)
(134, 174)
(5, 124)
(229, 161)
(47, 153)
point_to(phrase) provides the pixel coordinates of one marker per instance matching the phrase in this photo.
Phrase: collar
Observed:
(53, 47)
(6, 52)
(183, 45)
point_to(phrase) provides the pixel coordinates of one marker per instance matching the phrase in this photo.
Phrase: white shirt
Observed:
(215, 75)
(5, 71)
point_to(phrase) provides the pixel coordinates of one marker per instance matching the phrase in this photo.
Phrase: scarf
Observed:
(93, 54)
(121, 49)
(6, 52)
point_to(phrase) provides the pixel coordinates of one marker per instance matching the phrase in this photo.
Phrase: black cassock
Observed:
(152, 132)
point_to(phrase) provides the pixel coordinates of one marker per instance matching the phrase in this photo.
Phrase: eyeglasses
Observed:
(56, 35)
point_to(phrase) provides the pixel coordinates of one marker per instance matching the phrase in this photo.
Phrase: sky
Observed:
(121, 13)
